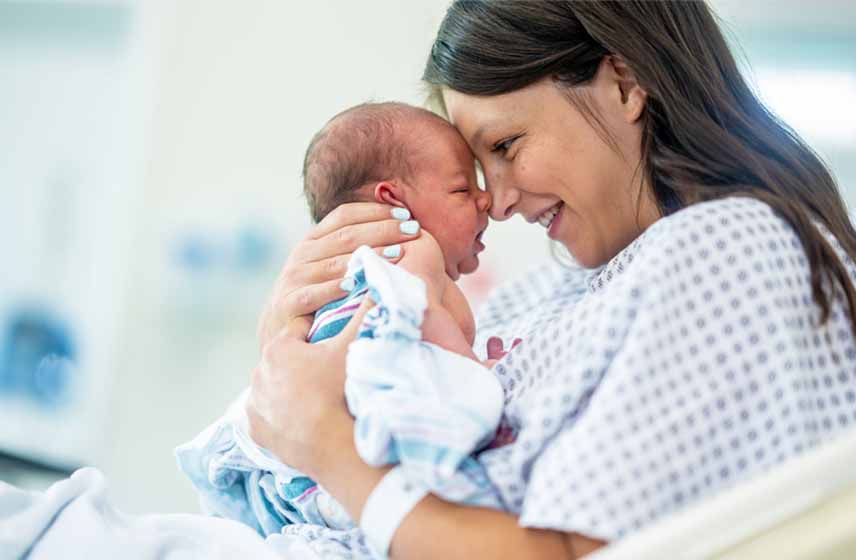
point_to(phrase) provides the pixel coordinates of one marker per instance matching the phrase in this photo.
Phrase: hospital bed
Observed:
(804, 509)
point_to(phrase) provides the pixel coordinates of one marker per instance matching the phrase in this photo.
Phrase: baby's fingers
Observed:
(495, 350)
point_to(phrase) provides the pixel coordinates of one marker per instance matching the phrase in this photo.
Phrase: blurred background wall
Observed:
(150, 158)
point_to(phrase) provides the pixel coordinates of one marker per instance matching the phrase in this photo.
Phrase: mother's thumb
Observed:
(349, 333)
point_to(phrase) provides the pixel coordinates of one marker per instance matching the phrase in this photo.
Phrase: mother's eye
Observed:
(504, 145)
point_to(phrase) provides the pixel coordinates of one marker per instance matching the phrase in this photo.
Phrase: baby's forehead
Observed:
(432, 131)
(420, 130)
(440, 157)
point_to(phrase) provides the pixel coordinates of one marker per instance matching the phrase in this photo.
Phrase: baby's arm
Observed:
(456, 303)
(424, 258)
(440, 327)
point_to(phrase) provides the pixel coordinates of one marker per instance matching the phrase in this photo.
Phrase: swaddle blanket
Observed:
(332, 318)
(414, 403)
(73, 519)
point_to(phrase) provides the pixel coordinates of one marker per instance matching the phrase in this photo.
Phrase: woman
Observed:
(714, 337)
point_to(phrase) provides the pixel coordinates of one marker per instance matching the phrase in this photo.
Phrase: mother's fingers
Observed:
(301, 302)
(356, 213)
(336, 267)
(349, 333)
(298, 328)
(317, 265)
(308, 299)
(321, 283)
(347, 239)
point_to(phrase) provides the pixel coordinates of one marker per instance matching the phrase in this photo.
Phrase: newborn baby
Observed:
(445, 403)
(416, 161)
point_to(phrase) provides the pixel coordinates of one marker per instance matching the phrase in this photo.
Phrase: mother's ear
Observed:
(389, 193)
(633, 97)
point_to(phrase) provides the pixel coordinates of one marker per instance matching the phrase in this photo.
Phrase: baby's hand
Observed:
(496, 352)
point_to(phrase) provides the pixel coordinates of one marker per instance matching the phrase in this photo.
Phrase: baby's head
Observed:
(408, 157)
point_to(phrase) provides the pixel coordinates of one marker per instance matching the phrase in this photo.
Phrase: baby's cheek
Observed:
(465, 223)
(459, 230)
(463, 241)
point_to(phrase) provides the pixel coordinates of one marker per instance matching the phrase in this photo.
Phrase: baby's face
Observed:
(445, 197)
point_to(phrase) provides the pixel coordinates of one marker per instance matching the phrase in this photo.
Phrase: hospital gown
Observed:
(691, 360)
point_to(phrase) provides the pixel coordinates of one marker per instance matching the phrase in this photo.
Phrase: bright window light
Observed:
(817, 104)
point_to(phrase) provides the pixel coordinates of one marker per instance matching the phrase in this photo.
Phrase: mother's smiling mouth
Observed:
(546, 218)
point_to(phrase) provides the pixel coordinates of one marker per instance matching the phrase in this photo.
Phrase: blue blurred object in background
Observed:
(37, 358)
(196, 252)
(255, 248)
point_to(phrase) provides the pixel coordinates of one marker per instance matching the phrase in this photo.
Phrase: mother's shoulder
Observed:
(732, 221)
(728, 228)
(730, 212)
(730, 233)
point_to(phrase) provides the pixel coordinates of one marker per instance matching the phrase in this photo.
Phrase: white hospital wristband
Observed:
(386, 507)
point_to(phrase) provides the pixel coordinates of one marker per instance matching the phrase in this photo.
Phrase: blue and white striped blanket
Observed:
(414, 403)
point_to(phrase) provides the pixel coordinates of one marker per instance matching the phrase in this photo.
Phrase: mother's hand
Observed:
(317, 265)
(296, 407)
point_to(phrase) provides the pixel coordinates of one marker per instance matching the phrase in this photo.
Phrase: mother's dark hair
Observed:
(705, 134)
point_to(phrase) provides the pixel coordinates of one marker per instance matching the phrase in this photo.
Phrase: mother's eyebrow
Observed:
(480, 132)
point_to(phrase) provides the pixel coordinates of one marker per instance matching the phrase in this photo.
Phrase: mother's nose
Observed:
(503, 201)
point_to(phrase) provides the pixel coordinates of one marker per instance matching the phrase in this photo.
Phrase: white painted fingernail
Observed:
(347, 284)
(410, 228)
(392, 252)
(401, 214)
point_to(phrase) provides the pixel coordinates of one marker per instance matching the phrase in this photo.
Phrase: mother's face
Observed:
(542, 159)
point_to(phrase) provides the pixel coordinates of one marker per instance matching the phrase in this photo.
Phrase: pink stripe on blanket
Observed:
(306, 493)
(332, 315)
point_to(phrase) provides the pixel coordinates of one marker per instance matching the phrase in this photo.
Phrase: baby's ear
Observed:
(389, 193)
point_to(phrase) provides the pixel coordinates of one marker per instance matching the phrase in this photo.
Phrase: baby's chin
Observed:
(468, 265)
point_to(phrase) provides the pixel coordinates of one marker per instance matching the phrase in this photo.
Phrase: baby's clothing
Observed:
(332, 318)
(414, 403)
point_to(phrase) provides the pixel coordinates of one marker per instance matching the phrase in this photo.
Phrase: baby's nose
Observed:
(484, 201)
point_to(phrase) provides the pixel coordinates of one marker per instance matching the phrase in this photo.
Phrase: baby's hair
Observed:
(365, 144)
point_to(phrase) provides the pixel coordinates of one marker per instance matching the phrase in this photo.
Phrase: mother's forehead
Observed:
(531, 97)
(473, 116)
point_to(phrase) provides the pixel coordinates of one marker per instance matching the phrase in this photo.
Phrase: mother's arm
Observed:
(436, 528)
(296, 380)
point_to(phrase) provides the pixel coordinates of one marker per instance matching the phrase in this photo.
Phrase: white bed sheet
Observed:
(73, 519)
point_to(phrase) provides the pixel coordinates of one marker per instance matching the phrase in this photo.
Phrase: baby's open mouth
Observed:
(479, 246)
